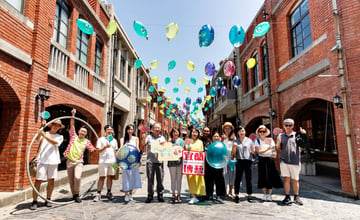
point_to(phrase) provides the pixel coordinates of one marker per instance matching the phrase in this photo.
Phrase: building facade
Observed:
(310, 56)
(48, 64)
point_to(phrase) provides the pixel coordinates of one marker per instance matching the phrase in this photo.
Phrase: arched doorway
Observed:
(64, 110)
(316, 116)
(255, 123)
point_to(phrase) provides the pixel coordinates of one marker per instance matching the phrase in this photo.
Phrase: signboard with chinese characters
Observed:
(193, 163)
(166, 151)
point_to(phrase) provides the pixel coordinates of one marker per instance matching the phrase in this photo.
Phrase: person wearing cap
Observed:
(229, 137)
(290, 144)
(268, 176)
(48, 160)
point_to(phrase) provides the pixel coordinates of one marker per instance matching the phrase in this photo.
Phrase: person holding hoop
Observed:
(48, 160)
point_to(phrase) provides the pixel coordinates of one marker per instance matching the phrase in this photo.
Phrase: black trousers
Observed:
(214, 176)
(153, 169)
(241, 166)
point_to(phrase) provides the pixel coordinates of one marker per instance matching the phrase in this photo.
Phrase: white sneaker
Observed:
(264, 198)
(97, 197)
(127, 198)
(193, 201)
(130, 197)
(269, 198)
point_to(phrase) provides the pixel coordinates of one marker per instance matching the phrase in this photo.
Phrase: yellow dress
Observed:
(196, 183)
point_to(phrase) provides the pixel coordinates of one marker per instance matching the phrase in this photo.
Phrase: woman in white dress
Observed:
(130, 177)
(229, 137)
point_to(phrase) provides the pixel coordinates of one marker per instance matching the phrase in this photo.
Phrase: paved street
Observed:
(317, 205)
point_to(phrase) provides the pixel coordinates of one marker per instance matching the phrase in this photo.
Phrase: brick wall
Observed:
(284, 67)
(19, 111)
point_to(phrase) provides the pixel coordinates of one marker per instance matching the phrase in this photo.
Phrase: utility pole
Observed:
(268, 78)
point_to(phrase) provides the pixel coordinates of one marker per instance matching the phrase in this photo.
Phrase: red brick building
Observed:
(42, 47)
(312, 54)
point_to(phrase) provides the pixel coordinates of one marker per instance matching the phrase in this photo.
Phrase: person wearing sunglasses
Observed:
(290, 144)
(268, 176)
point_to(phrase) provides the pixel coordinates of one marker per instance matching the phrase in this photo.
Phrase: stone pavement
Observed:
(318, 204)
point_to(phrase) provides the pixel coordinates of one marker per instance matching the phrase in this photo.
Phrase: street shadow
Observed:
(325, 187)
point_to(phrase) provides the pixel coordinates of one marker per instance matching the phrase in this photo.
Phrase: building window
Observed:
(122, 69)
(61, 23)
(82, 45)
(247, 79)
(129, 76)
(98, 52)
(17, 4)
(255, 71)
(300, 28)
(265, 61)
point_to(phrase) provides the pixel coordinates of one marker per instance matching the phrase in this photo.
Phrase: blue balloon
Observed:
(128, 156)
(236, 81)
(210, 69)
(232, 164)
(219, 82)
(236, 35)
(216, 155)
(206, 35)
(188, 101)
(199, 100)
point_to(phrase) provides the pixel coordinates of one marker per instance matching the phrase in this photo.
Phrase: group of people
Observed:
(240, 148)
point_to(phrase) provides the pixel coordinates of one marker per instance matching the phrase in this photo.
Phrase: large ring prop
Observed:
(29, 151)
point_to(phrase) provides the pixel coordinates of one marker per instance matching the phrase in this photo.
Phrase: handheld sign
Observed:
(166, 151)
(193, 163)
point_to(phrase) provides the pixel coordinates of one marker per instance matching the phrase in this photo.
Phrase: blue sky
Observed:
(190, 15)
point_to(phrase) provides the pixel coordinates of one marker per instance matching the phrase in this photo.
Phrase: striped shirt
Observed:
(81, 145)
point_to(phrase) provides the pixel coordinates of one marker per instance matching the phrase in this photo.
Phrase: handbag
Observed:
(33, 166)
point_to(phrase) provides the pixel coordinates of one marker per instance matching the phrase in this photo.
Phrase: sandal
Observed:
(173, 199)
(179, 199)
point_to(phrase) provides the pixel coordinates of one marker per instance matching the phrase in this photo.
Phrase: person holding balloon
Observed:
(214, 171)
(107, 146)
(243, 149)
(268, 176)
(196, 182)
(229, 137)
(175, 167)
(130, 177)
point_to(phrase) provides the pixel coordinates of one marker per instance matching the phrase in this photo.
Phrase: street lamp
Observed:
(337, 101)
(44, 94)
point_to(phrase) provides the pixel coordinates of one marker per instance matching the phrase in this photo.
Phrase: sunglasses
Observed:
(288, 125)
(262, 132)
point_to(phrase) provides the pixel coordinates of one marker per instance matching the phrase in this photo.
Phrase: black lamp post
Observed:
(237, 122)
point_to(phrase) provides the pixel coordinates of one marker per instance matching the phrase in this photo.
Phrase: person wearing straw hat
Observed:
(268, 176)
(229, 137)
(48, 159)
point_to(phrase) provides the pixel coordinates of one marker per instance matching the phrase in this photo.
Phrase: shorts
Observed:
(290, 170)
(105, 169)
(46, 171)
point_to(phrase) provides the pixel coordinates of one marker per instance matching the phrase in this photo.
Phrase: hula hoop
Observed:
(28, 157)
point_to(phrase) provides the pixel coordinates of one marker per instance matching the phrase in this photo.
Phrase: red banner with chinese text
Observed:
(193, 163)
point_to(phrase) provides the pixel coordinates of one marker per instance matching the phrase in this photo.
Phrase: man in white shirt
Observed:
(48, 159)
(107, 146)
